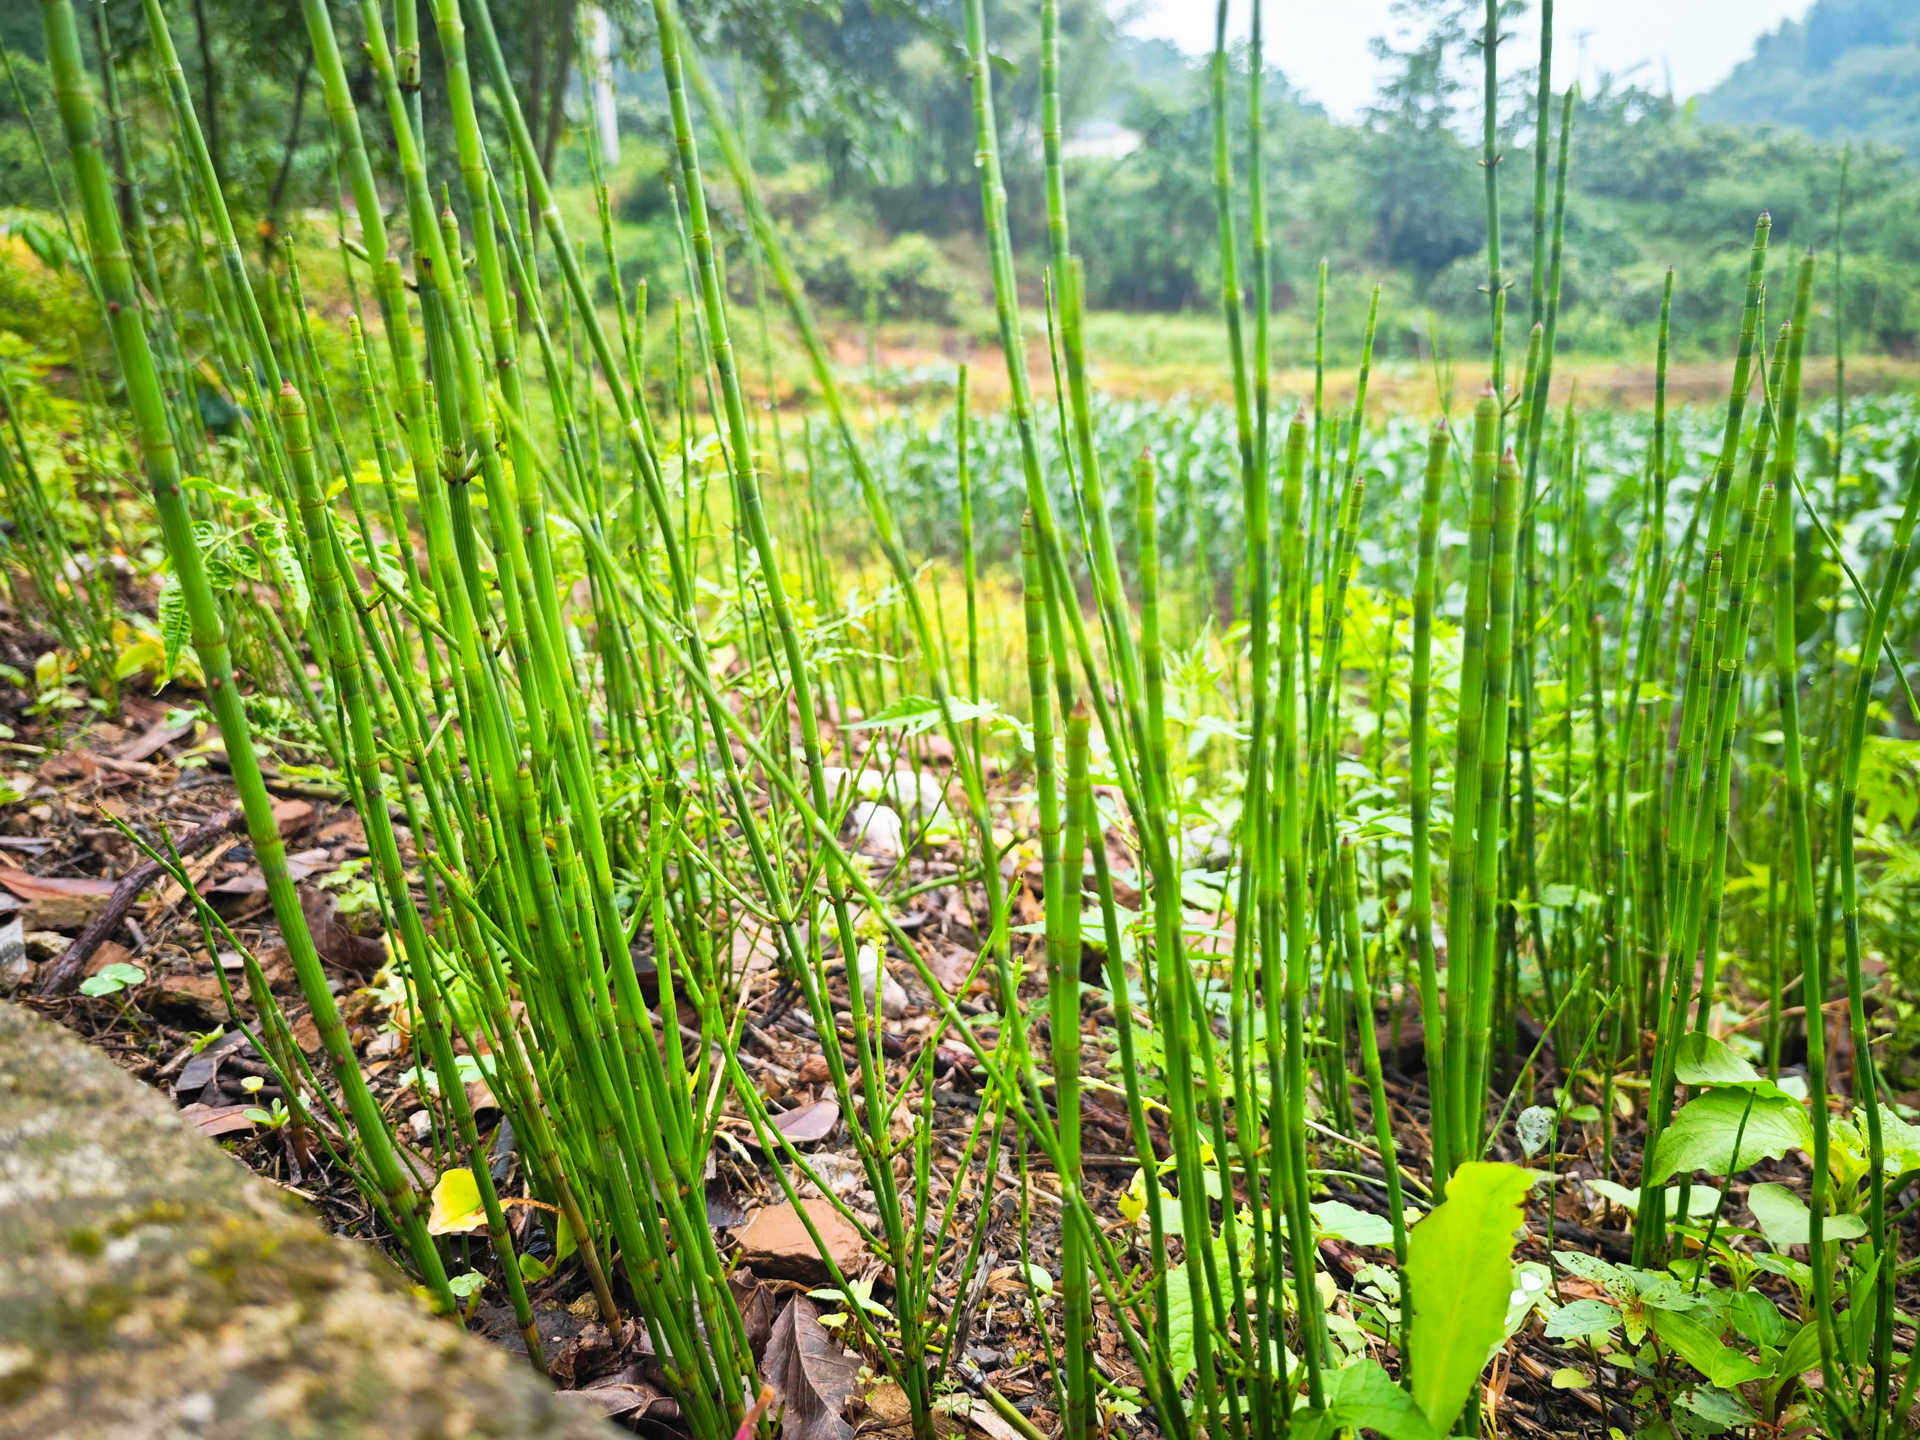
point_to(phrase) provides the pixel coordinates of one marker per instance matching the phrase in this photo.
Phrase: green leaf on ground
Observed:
(1460, 1275)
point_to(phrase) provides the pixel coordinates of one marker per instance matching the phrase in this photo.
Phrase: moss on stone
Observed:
(150, 1286)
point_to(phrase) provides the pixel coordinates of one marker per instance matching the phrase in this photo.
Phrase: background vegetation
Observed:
(861, 126)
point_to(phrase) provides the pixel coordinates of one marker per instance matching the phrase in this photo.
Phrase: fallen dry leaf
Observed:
(306, 1034)
(755, 1303)
(157, 737)
(55, 887)
(815, 1071)
(885, 1411)
(806, 1124)
(989, 1422)
(196, 999)
(810, 1374)
(214, 1121)
(620, 1396)
(337, 943)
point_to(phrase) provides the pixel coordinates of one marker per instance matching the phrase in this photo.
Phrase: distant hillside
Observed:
(1850, 70)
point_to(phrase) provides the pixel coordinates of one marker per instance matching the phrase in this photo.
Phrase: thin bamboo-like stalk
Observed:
(1468, 739)
(1063, 1003)
(1806, 945)
(1493, 775)
(114, 269)
(1420, 706)
(1866, 1078)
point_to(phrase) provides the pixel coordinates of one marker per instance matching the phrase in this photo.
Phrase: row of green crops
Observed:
(1201, 503)
(1508, 712)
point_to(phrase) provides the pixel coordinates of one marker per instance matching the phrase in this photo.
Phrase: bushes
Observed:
(907, 277)
(841, 257)
(42, 296)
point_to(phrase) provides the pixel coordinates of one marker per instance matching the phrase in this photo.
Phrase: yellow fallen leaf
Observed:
(456, 1205)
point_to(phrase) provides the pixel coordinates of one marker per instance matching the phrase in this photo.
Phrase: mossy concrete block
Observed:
(151, 1287)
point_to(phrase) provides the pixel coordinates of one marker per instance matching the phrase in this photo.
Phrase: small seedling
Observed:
(113, 979)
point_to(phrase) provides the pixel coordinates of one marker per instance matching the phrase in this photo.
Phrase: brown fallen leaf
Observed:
(300, 865)
(336, 941)
(755, 1303)
(815, 1071)
(306, 1034)
(950, 966)
(276, 967)
(884, 1410)
(292, 816)
(724, 1213)
(156, 738)
(619, 1399)
(57, 902)
(54, 887)
(989, 1422)
(195, 999)
(805, 1124)
(810, 1374)
(213, 1121)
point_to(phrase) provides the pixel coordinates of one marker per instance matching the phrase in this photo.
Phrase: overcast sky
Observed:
(1695, 42)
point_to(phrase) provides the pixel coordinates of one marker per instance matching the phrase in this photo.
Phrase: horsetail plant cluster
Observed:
(587, 722)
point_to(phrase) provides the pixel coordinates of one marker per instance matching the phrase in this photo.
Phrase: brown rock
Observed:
(68, 914)
(776, 1246)
(814, 1071)
(188, 998)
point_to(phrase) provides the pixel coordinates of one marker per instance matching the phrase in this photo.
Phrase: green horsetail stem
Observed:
(1261, 245)
(1807, 947)
(1490, 167)
(1419, 714)
(1466, 781)
(1756, 515)
(1542, 105)
(1251, 433)
(1840, 326)
(342, 648)
(1173, 980)
(1493, 774)
(1654, 533)
(969, 560)
(1370, 1057)
(1284, 898)
(1063, 1000)
(1866, 1083)
(112, 265)
(1333, 613)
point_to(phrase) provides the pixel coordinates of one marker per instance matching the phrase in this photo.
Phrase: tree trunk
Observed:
(562, 72)
(286, 161)
(209, 91)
